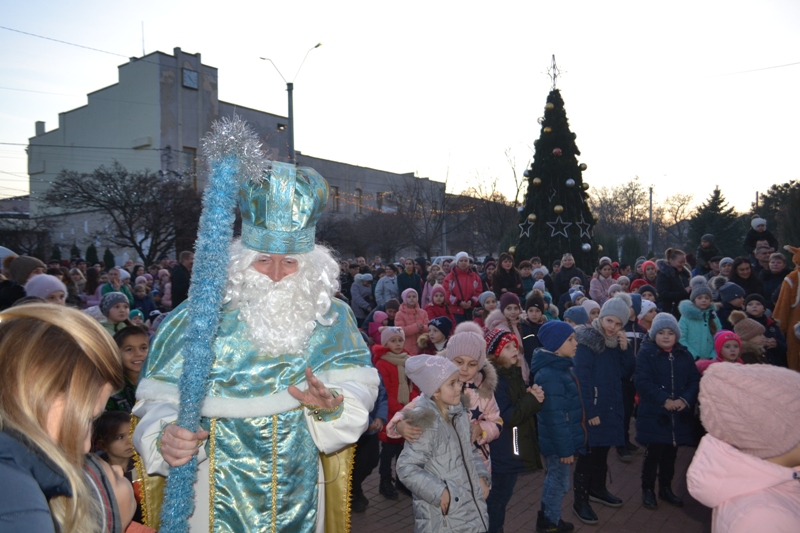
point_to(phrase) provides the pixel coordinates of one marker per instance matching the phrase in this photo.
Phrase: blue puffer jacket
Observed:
(28, 479)
(562, 427)
(661, 376)
(695, 331)
(599, 370)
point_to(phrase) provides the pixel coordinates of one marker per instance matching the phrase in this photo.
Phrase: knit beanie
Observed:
(754, 408)
(553, 334)
(638, 264)
(589, 305)
(467, 341)
(615, 288)
(110, 300)
(665, 321)
(429, 372)
(648, 288)
(135, 313)
(391, 331)
(392, 304)
(577, 314)
(540, 285)
(539, 270)
(444, 324)
(616, 308)
(22, 266)
(379, 316)
(439, 289)
(405, 293)
(140, 280)
(724, 336)
(460, 255)
(707, 237)
(730, 291)
(647, 305)
(647, 264)
(497, 339)
(636, 303)
(699, 287)
(365, 277)
(535, 301)
(625, 297)
(757, 222)
(507, 299)
(123, 274)
(750, 298)
(746, 328)
(624, 278)
(43, 286)
(575, 295)
(725, 261)
(637, 284)
(483, 297)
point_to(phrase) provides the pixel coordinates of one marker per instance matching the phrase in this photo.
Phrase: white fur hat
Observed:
(756, 222)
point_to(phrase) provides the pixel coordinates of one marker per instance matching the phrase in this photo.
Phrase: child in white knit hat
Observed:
(444, 472)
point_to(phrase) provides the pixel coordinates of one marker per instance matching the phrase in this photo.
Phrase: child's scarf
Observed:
(399, 360)
(611, 342)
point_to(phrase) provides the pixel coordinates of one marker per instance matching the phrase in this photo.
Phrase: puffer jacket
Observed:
(696, 331)
(443, 458)
(671, 287)
(361, 300)
(562, 426)
(516, 450)
(462, 286)
(414, 323)
(28, 480)
(530, 339)
(483, 410)
(662, 376)
(745, 492)
(599, 370)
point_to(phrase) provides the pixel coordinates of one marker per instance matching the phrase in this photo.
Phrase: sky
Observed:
(681, 94)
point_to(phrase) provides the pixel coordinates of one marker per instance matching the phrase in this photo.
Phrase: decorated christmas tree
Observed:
(556, 217)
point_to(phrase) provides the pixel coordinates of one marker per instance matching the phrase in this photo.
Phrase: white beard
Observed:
(280, 316)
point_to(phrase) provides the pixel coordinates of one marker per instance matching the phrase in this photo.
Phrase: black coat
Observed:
(530, 339)
(661, 376)
(510, 281)
(28, 480)
(561, 281)
(10, 292)
(671, 287)
(181, 277)
(772, 285)
(751, 285)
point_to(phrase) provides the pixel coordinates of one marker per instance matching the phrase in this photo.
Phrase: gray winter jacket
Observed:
(443, 457)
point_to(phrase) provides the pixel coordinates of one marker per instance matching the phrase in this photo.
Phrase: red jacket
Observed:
(462, 286)
(435, 311)
(391, 382)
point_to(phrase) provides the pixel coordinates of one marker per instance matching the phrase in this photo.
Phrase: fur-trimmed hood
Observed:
(496, 320)
(424, 412)
(486, 381)
(692, 312)
(591, 338)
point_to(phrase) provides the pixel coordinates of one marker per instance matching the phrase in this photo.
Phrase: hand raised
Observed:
(316, 395)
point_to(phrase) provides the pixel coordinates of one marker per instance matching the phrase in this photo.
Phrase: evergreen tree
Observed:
(108, 259)
(556, 217)
(788, 220)
(720, 220)
(55, 255)
(74, 251)
(91, 255)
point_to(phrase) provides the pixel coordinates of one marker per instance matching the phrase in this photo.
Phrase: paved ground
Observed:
(386, 516)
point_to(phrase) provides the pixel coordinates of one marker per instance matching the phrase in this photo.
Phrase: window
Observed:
(359, 204)
(188, 159)
(281, 127)
(334, 199)
(190, 79)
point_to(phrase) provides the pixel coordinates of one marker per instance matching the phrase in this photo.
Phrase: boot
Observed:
(665, 493)
(401, 488)
(543, 525)
(386, 488)
(649, 499)
(624, 454)
(604, 497)
(358, 502)
(581, 507)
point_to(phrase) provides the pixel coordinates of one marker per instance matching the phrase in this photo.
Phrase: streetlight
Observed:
(290, 89)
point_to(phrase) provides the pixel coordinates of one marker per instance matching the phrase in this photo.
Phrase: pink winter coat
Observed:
(598, 288)
(481, 400)
(410, 320)
(746, 493)
(462, 286)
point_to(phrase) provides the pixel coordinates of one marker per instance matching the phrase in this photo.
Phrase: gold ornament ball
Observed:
(537, 182)
(512, 249)
(583, 166)
(531, 218)
(599, 249)
(549, 106)
(558, 209)
(585, 186)
(548, 129)
(595, 217)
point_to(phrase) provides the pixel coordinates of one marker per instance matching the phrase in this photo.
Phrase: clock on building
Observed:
(190, 78)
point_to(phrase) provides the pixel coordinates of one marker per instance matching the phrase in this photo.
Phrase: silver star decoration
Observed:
(584, 226)
(552, 194)
(558, 223)
(525, 228)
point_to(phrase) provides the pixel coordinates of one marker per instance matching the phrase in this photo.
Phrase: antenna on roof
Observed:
(142, 38)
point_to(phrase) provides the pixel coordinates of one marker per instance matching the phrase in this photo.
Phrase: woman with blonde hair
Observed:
(57, 369)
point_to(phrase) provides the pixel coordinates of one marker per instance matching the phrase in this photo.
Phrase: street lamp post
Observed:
(290, 91)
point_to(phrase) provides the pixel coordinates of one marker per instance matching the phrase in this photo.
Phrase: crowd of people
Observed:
(486, 371)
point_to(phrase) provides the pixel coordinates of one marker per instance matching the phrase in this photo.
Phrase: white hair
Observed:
(282, 315)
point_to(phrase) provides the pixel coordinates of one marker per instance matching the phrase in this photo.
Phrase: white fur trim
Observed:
(280, 402)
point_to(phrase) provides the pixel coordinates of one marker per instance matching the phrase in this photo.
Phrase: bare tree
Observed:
(26, 236)
(490, 214)
(145, 210)
(423, 212)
